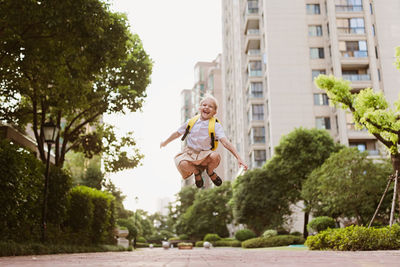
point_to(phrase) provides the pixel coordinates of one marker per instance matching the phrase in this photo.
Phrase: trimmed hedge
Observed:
(321, 223)
(274, 241)
(355, 238)
(212, 238)
(244, 234)
(228, 243)
(270, 233)
(11, 248)
(199, 244)
(90, 215)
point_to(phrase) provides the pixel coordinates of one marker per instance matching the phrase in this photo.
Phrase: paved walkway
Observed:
(212, 257)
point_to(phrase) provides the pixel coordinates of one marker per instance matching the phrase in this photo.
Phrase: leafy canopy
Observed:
(71, 61)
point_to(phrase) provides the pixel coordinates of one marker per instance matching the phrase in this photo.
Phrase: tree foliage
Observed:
(370, 109)
(352, 190)
(209, 213)
(71, 61)
(259, 200)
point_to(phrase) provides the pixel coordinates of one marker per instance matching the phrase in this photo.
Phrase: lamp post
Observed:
(137, 229)
(50, 132)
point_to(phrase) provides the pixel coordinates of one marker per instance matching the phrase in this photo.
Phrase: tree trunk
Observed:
(306, 217)
(396, 167)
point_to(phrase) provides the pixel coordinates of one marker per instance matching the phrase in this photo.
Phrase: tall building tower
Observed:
(273, 50)
(207, 80)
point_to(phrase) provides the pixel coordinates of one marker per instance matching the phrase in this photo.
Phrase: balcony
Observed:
(355, 59)
(355, 54)
(351, 30)
(349, 8)
(356, 77)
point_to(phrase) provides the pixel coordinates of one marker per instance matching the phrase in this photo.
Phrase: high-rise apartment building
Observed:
(207, 80)
(273, 50)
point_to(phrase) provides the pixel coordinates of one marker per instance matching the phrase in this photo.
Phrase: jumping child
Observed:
(197, 155)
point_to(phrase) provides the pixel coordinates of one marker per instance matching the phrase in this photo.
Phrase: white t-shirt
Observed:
(198, 137)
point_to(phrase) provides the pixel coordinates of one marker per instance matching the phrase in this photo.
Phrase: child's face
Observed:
(207, 109)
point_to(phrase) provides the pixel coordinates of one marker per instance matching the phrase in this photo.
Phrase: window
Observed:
(313, 9)
(315, 73)
(353, 48)
(259, 157)
(321, 99)
(317, 52)
(257, 112)
(255, 68)
(258, 135)
(256, 89)
(349, 5)
(315, 30)
(360, 146)
(323, 123)
(351, 26)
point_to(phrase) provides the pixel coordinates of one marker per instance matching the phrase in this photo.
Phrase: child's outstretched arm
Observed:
(228, 145)
(172, 137)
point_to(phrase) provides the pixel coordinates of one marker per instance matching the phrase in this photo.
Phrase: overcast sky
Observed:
(176, 34)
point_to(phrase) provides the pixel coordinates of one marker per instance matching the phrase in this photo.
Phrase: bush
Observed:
(199, 244)
(228, 243)
(319, 224)
(183, 237)
(175, 238)
(11, 248)
(275, 241)
(90, 215)
(141, 239)
(21, 193)
(244, 234)
(355, 238)
(270, 233)
(212, 238)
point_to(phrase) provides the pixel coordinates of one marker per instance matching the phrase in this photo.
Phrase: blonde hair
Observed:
(212, 98)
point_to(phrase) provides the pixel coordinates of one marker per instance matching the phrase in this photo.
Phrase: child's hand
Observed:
(241, 163)
(162, 144)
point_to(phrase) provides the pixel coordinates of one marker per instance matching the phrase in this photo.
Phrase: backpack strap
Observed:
(191, 122)
(211, 132)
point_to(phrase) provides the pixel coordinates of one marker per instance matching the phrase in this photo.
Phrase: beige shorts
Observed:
(191, 155)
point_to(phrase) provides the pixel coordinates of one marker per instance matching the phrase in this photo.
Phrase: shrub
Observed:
(354, 238)
(175, 238)
(183, 237)
(228, 243)
(321, 223)
(270, 233)
(199, 244)
(212, 237)
(274, 241)
(244, 234)
(90, 215)
(21, 193)
(11, 248)
(141, 239)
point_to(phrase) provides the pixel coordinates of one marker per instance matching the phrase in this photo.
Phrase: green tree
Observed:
(370, 110)
(259, 200)
(71, 61)
(209, 213)
(184, 199)
(348, 185)
(297, 155)
(121, 212)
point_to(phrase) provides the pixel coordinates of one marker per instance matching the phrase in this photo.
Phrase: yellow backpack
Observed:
(211, 130)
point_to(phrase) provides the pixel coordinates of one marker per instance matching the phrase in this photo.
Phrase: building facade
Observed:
(273, 50)
(207, 80)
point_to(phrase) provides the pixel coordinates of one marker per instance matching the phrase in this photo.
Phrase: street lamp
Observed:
(50, 132)
(137, 229)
